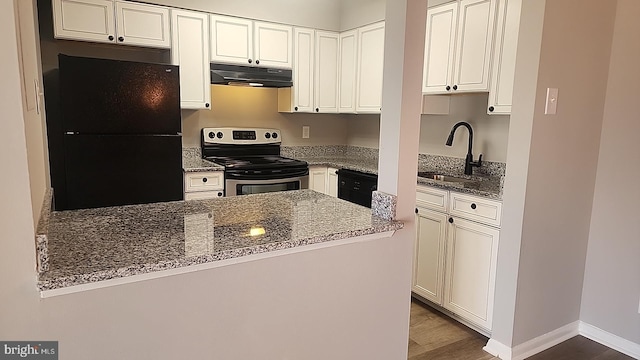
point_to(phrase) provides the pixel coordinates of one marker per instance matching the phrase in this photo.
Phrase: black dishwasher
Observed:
(356, 187)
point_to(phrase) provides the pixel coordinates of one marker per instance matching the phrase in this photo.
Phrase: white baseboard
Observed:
(555, 337)
(498, 349)
(610, 340)
(533, 346)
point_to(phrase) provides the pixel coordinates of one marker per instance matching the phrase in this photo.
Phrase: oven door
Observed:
(234, 187)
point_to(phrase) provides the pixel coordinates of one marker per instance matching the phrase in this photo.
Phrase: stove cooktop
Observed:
(256, 162)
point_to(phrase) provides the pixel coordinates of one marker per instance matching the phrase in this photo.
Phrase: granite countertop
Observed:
(357, 164)
(92, 245)
(485, 186)
(195, 164)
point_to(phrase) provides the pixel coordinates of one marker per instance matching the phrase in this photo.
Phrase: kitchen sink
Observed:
(445, 178)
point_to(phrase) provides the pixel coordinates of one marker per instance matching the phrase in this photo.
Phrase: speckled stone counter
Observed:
(199, 165)
(489, 186)
(92, 245)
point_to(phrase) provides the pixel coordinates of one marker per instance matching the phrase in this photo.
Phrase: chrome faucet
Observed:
(468, 163)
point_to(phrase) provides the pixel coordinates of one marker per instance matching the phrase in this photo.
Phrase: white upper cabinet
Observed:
(273, 45)
(458, 45)
(347, 71)
(143, 25)
(107, 21)
(303, 70)
(326, 72)
(504, 57)
(246, 42)
(190, 50)
(315, 73)
(369, 68)
(439, 48)
(231, 40)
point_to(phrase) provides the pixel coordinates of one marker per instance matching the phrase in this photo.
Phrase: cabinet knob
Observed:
(491, 108)
(120, 38)
(448, 88)
(205, 179)
(455, 87)
(250, 61)
(473, 206)
(416, 210)
(110, 38)
(451, 220)
(257, 62)
(295, 108)
(336, 172)
(220, 194)
(317, 110)
(206, 105)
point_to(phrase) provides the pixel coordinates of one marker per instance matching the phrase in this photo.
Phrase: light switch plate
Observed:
(305, 132)
(552, 101)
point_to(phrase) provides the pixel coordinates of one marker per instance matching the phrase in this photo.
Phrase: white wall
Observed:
(490, 132)
(562, 166)
(33, 106)
(611, 290)
(319, 14)
(255, 107)
(356, 13)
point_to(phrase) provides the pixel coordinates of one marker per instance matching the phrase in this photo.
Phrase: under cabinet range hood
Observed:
(224, 74)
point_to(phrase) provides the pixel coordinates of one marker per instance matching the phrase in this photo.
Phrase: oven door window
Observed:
(247, 189)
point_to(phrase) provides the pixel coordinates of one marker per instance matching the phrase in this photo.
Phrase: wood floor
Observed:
(434, 336)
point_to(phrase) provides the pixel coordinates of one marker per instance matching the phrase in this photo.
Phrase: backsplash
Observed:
(330, 151)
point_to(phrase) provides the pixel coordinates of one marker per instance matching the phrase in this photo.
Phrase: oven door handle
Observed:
(256, 175)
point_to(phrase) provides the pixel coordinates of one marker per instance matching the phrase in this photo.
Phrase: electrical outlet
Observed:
(305, 132)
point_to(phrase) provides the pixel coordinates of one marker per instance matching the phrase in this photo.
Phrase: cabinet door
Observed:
(370, 66)
(88, 20)
(190, 50)
(476, 24)
(439, 48)
(318, 178)
(347, 71)
(332, 182)
(504, 57)
(303, 70)
(273, 45)
(231, 40)
(428, 276)
(326, 72)
(142, 25)
(472, 250)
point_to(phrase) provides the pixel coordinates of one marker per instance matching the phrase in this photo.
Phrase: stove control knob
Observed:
(274, 135)
(267, 135)
(219, 135)
(211, 135)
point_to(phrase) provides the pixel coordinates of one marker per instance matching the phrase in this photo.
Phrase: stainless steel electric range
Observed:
(252, 161)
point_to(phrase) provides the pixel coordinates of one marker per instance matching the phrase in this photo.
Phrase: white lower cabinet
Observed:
(332, 182)
(203, 185)
(472, 251)
(429, 254)
(324, 180)
(318, 178)
(455, 257)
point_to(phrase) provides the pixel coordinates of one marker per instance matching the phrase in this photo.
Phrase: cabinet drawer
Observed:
(203, 181)
(201, 195)
(432, 198)
(477, 209)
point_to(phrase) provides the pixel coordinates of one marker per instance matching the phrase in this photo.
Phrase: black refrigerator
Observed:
(114, 132)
